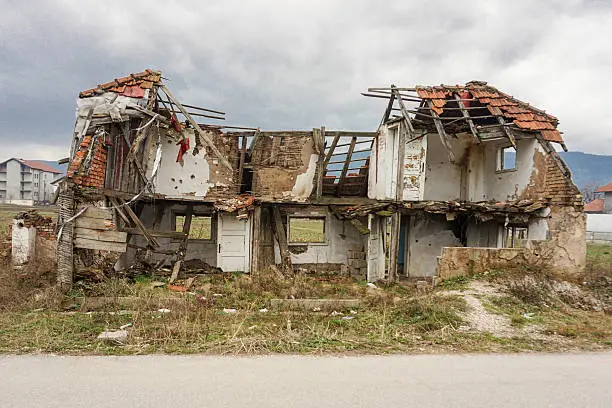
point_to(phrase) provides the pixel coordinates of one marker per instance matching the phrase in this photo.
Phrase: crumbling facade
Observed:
(456, 167)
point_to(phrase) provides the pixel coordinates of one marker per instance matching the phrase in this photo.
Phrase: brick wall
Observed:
(92, 173)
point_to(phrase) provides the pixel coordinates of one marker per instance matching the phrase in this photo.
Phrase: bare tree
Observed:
(588, 191)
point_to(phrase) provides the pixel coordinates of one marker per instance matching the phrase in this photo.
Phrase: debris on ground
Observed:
(164, 310)
(115, 337)
(229, 311)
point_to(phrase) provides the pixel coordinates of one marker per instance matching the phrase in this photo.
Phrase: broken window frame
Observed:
(501, 159)
(514, 234)
(315, 217)
(213, 225)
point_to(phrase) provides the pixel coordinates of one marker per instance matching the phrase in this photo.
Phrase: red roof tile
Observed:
(605, 189)
(596, 205)
(133, 85)
(523, 115)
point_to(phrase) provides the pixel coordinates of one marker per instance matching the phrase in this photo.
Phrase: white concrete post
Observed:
(23, 242)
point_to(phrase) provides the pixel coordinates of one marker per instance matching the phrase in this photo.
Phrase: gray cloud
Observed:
(297, 64)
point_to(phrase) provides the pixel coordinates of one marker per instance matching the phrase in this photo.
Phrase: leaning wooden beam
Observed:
(347, 162)
(141, 172)
(198, 130)
(281, 237)
(330, 152)
(183, 246)
(409, 126)
(242, 156)
(199, 115)
(507, 131)
(387, 113)
(197, 108)
(441, 132)
(119, 211)
(152, 241)
(466, 115)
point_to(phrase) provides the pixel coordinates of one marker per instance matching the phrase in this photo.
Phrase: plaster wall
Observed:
(486, 182)
(483, 234)
(445, 180)
(340, 237)
(200, 176)
(382, 178)
(427, 235)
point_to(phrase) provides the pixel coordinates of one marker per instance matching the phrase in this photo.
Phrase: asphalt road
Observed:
(571, 380)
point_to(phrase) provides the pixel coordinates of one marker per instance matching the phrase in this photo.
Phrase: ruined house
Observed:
(454, 177)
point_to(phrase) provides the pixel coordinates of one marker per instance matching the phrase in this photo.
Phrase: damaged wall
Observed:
(200, 176)
(445, 180)
(342, 242)
(284, 166)
(160, 217)
(427, 234)
(468, 261)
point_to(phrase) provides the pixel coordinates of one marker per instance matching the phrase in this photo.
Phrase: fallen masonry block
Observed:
(116, 337)
(310, 304)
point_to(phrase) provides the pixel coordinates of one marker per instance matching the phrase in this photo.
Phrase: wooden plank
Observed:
(118, 211)
(401, 149)
(256, 234)
(152, 241)
(281, 237)
(507, 131)
(182, 251)
(97, 212)
(108, 236)
(198, 130)
(394, 247)
(141, 173)
(346, 164)
(243, 149)
(153, 233)
(175, 270)
(330, 152)
(466, 115)
(442, 133)
(100, 245)
(405, 112)
(385, 117)
(95, 223)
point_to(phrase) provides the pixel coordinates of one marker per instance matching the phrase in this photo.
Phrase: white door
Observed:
(376, 249)
(233, 243)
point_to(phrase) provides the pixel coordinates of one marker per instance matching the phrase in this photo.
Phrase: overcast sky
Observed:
(301, 64)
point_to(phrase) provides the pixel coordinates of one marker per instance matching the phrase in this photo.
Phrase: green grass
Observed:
(303, 230)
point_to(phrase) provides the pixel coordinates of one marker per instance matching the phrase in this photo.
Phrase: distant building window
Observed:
(200, 229)
(306, 230)
(506, 159)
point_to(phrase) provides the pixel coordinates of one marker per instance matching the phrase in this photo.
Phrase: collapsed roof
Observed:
(474, 107)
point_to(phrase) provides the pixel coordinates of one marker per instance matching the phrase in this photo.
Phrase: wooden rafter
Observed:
(466, 115)
(441, 132)
(507, 131)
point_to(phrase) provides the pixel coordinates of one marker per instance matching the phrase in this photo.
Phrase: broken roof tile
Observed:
(127, 85)
(523, 115)
(534, 125)
(552, 135)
